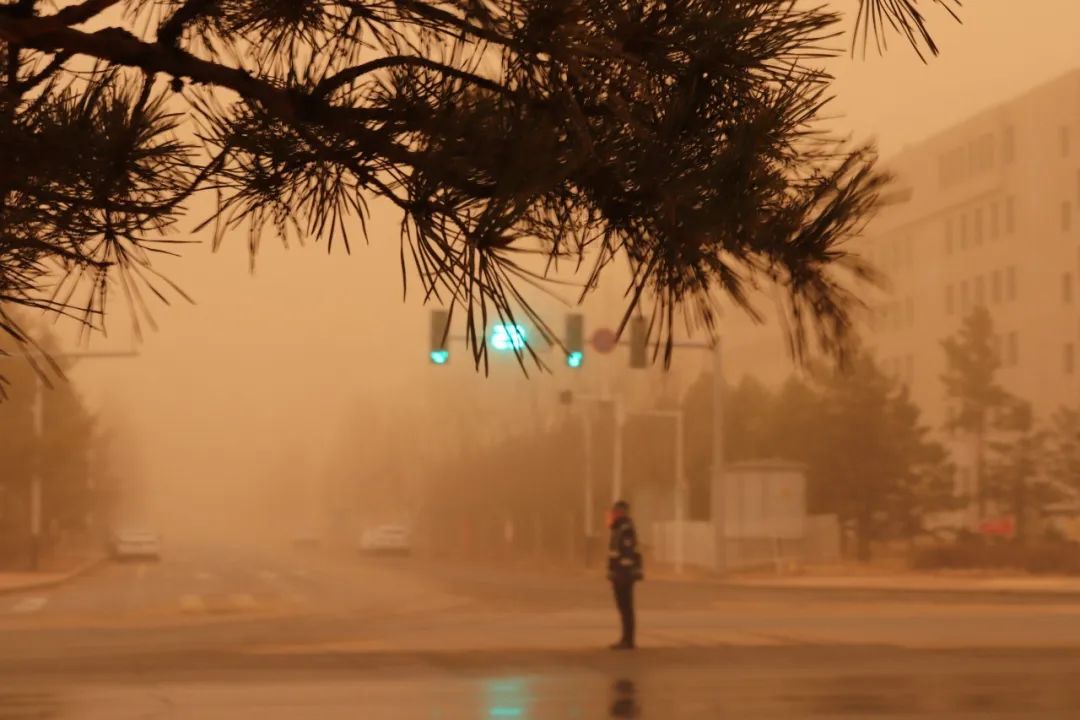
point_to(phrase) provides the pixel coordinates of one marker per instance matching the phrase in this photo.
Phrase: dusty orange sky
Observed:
(272, 359)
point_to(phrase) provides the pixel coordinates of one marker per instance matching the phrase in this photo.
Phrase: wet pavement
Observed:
(208, 636)
(774, 683)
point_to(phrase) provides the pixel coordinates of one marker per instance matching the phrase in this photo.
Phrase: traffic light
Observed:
(440, 330)
(638, 340)
(575, 340)
(508, 337)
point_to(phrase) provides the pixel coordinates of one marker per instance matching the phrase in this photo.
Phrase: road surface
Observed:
(231, 633)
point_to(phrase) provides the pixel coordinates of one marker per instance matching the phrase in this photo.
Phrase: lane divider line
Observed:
(29, 605)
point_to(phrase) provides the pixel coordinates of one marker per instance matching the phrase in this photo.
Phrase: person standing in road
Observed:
(624, 569)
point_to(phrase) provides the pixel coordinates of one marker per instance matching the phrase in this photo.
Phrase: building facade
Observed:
(986, 212)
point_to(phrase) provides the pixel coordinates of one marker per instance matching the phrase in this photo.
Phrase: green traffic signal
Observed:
(575, 340)
(440, 329)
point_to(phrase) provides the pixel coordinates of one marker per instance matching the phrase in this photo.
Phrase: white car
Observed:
(135, 545)
(386, 540)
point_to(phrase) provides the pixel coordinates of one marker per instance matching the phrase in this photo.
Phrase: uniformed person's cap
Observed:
(621, 506)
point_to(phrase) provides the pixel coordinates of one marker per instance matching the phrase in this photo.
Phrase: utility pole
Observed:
(617, 446)
(680, 486)
(38, 465)
(717, 498)
(38, 413)
(590, 508)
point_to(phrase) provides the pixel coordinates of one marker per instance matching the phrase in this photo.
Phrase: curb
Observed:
(86, 567)
(929, 589)
(1014, 592)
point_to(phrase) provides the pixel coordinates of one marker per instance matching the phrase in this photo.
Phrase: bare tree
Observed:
(679, 135)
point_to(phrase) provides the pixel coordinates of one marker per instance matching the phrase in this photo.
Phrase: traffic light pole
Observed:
(440, 338)
(717, 495)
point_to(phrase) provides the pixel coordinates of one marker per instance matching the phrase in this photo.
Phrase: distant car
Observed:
(135, 545)
(386, 540)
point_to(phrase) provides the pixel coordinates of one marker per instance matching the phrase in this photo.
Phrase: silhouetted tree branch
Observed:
(680, 136)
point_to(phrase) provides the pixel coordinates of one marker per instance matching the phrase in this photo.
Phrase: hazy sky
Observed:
(275, 358)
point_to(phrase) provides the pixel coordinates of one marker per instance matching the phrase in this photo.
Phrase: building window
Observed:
(1063, 141)
(949, 232)
(1010, 215)
(1010, 283)
(978, 226)
(965, 299)
(1012, 350)
(995, 221)
(1008, 145)
(909, 369)
(965, 484)
(980, 291)
(1066, 216)
(1066, 288)
(997, 347)
(963, 231)
(950, 300)
(995, 287)
(1069, 361)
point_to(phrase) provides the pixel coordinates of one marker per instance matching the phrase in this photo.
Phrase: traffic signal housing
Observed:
(440, 331)
(575, 340)
(638, 341)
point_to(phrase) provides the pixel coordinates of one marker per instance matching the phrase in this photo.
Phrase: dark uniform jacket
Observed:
(624, 560)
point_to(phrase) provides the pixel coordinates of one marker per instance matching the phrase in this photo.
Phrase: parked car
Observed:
(131, 544)
(386, 540)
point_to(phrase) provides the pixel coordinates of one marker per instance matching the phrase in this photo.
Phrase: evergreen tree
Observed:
(980, 404)
(1016, 479)
(876, 469)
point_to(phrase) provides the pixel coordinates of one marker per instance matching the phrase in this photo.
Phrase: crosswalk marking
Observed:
(29, 605)
(242, 601)
(192, 604)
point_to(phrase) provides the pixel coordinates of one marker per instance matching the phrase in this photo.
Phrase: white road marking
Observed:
(268, 575)
(242, 601)
(29, 605)
(298, 572)
(203, 576)
(192, 604)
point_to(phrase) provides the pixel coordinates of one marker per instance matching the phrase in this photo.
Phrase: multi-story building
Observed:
(989, 214)
(986, 212)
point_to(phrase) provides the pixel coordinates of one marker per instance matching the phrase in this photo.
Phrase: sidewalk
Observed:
(16, 582)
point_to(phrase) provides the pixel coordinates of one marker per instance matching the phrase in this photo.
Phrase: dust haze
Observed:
(262, 372)
(377, 529)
